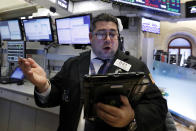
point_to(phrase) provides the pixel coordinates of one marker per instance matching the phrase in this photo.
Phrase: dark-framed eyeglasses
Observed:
(102, 35)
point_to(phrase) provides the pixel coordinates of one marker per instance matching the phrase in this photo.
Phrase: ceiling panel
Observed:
(11, 4)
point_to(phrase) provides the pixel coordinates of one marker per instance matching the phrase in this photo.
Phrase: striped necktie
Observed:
(102, 70)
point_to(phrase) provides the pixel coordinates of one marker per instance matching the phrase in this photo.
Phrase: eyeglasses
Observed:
(102, 35)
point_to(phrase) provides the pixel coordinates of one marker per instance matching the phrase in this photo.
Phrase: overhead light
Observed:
(62, 3)
(53, 1)
(88, 6)
(22, 18)
(30, 17)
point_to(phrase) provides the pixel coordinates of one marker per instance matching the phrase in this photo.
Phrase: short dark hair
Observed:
(103, 17)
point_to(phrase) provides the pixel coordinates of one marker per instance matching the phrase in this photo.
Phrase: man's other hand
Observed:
(114, 116)
(34, 73)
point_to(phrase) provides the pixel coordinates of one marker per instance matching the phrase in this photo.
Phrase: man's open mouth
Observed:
(106, 48)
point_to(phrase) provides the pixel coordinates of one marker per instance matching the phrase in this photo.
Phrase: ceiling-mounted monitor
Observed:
(73, 29)
(190, 9)
(149, 25)
(63, 4)
(38, 29)
(11, 30)
(167, 6)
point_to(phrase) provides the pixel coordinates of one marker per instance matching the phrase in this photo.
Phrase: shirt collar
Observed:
(93, 56)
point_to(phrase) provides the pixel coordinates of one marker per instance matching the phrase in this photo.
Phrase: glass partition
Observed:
(180, 84)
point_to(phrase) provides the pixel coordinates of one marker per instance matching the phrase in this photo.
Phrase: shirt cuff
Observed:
(45, 93)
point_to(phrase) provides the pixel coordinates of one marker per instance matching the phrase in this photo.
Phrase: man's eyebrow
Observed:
(102, 30)
(113, 30)
(107, 30)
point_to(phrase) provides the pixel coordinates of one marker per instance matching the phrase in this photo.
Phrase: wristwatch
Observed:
(132, 125)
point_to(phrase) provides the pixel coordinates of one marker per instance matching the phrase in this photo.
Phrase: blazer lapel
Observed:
(119, 55)
(112, 68)
(84, 63)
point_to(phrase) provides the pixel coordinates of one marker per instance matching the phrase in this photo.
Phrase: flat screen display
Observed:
(63, 4)
(149, 25)
(168, 6)
(15, 49)
(17, 74)
(190, 9)
(38, 29)
(73, 29)
(10, 30)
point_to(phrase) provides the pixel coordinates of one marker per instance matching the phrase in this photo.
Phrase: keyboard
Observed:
(8, 80)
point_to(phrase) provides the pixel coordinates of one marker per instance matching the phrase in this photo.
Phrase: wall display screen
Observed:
(63, 4)
(15, 49)
(10, 30)
(149, 25)
(190, 9)
(73, 29)
(168, 6)
(38, 29)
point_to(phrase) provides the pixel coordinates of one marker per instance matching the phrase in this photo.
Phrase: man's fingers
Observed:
(25, 65)
(114, 116)
(105, 110)
(19, 60)
(108, 118)
(108, 109)
(32, 63)
(124, 100)
(105, 116)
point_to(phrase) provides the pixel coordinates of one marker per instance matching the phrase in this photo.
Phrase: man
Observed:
(64, 88)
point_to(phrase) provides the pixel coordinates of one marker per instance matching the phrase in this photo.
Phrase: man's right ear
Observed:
(90, 35)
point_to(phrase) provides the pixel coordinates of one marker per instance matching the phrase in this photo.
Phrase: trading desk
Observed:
(18, 111)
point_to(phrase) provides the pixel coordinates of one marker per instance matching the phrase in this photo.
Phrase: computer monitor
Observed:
(15, 49)
(11, 30)
(149, 25)
(171, 7)
(38, 29)
(63, 4)
(190, 9)
(73, 29)
(17, 74)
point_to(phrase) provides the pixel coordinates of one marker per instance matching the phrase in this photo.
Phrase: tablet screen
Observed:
(17, 74)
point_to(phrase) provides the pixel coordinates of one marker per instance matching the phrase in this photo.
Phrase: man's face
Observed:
(104, 39)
